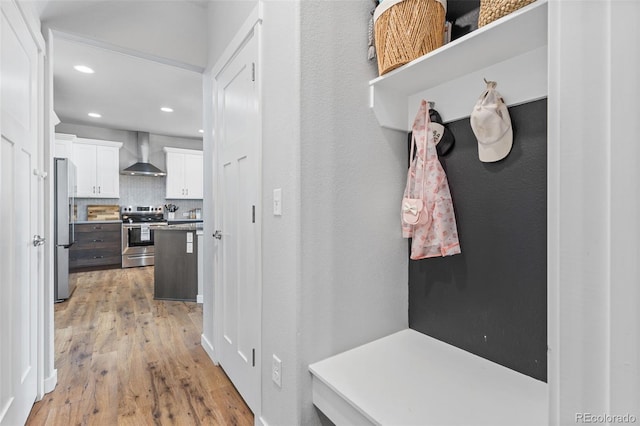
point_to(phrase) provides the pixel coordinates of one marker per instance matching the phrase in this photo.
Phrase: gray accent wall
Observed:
(135, 190)
(491, 299)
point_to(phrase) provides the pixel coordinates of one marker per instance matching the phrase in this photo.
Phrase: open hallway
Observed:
(124, 358)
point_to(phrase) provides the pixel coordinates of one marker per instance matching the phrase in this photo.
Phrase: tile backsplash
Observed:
(139, 191)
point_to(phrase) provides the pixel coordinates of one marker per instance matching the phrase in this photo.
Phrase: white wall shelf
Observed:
(510, 50)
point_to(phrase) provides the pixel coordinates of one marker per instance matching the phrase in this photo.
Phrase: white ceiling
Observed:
(127, 91)
(145, 55)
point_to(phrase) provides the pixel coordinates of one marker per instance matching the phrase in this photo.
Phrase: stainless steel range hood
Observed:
(143, 167)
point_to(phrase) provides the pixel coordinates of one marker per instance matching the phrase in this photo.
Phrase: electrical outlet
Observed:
(276, 371)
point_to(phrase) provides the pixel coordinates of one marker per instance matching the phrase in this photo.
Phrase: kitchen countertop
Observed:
(193, 223)
(82, 222)
(180, 227)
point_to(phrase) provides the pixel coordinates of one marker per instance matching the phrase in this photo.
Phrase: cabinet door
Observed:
(175, 175)
(84, 157)
(193, 176)
(107, 172)
(63, 149)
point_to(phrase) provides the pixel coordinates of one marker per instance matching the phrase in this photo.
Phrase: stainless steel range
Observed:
(138, 223)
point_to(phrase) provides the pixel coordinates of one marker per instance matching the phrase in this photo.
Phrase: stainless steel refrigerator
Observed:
(64, 194)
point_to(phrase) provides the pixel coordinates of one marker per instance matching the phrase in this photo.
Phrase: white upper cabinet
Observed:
(63, 147)
(184, 173)
(98, 168)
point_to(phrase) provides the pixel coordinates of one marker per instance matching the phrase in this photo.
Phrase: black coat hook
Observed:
(447, 141)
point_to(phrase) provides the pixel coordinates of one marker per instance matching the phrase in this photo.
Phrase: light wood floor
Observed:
(126, 359)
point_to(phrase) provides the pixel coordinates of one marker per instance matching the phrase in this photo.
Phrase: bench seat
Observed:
(409, 378)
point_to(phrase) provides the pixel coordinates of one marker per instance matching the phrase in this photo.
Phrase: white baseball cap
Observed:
(491, 124)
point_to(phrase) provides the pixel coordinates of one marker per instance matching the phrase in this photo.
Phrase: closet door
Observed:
(20, 257)
(238, 219)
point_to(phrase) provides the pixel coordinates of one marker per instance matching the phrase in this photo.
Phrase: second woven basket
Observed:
(490, 10)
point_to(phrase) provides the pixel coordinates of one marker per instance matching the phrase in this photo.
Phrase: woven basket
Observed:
(490, 10)
(408, 30)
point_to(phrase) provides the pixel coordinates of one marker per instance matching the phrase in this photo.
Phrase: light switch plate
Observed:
(277, 202)
(276, 371)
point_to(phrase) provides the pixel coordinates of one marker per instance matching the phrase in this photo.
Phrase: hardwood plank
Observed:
(100, 408)
(232, 411)
(106, 339)
(124, 358)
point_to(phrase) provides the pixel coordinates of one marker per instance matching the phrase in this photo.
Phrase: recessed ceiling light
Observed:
(166, 109)
(94, 115)
(201, 131)
(83, 68)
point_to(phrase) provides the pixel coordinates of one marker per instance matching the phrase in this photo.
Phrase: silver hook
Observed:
(490, 84)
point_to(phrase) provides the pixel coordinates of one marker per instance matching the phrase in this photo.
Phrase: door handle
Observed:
(38, 240)
(217, 235)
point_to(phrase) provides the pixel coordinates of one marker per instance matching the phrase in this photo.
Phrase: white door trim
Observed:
(47, 353)
(593, 209)
(251, 26)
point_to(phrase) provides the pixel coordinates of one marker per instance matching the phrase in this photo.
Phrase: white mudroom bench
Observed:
(409, 378)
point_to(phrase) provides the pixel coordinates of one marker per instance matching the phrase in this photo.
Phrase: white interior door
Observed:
(18, 216)
(237, 205)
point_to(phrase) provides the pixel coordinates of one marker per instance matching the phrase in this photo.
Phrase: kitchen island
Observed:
(176, 263)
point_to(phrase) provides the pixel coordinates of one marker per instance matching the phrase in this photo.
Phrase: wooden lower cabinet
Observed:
(97, 246)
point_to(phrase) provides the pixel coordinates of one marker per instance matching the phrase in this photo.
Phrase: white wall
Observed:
(279, 73)
(594, 205)
(355, 262)
(282, 248)
(334, 264)
(225, 17)
(171, 29)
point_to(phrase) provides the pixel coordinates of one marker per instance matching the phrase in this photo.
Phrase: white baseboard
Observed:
(200, 298)
(208, 348)
(51, 381)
